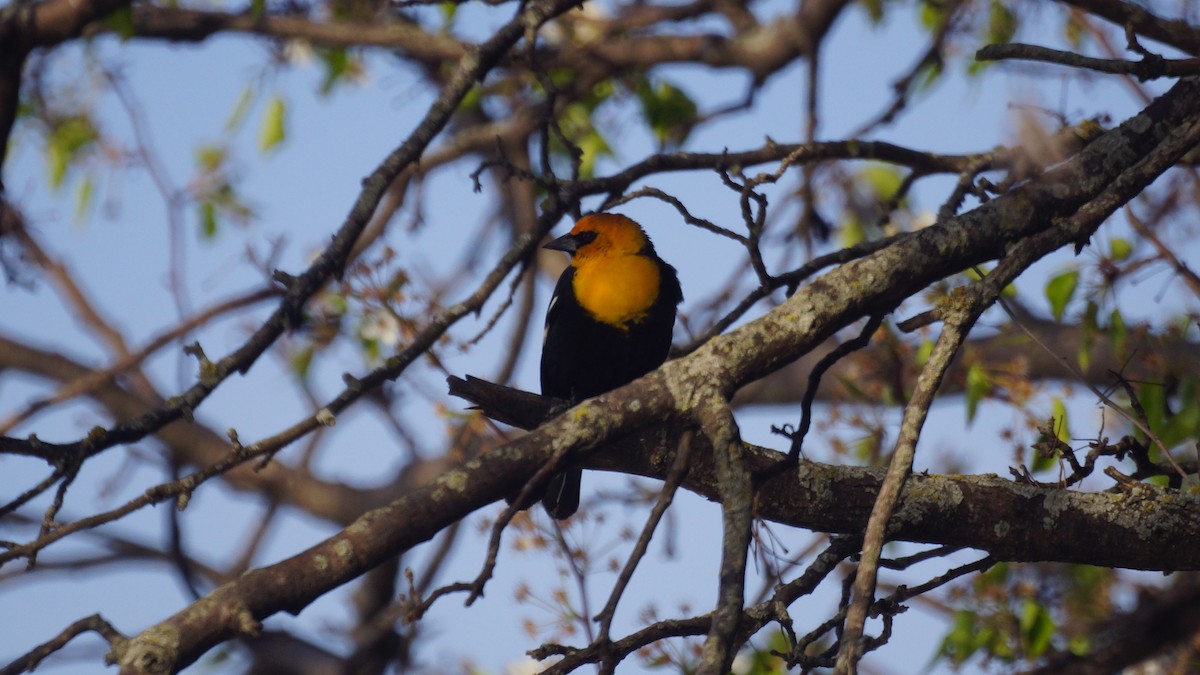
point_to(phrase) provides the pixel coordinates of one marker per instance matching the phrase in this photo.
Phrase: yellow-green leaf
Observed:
(924, 351)
(1002, 23)
(449, 11)
(961, 642)
(884, 181)
(978, 386)
(851, 232)
(1059, 292)
(874, 10)
(1088, 328)
(1116, 326)
(67, 141)
(208, 220)
(274, 127)
(1079, 645)
(1061, 426)
(1075, 32)
(668, 110)
(121, 22)
(301, 362)
(210, 157)
(1037, 627)
(932, 15)
(340, 66)
(1119, 249)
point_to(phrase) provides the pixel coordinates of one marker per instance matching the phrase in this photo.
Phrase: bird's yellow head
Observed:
(616, 272)
(602, 235)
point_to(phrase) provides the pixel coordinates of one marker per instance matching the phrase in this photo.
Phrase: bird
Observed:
(609, 322)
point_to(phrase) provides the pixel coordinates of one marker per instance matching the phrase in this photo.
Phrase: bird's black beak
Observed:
(565, 243)
(570, 243)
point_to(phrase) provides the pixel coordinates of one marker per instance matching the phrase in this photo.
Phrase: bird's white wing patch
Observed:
(549, 313)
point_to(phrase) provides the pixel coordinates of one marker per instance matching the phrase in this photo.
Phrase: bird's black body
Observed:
(584, 355)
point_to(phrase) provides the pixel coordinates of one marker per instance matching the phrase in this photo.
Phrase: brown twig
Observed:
(1189, 277)
(1146, 69)
(94, 623)
(675, 476)
(93, 380)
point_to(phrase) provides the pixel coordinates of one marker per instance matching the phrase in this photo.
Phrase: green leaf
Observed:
(449, 11)
(301, 362)
(1002, 23)
(884, 180)
(1058, 411)
(68, 140)
(1037, 627)
(1079, 645)
(1062, 428)
(924, 351)
(668, 110)
(978, 386)
(1183, 425)
(1153, 399)
(1119, 249)
(1074, 32)
(257, 8)
(996, 643)
(998, 574)
(208, 220)
(1059, 292)
(210, 157)
(866, 449)
(576, 123)
(1087, 335)
(874, 10)
(928, 75)
(932, 15)
(851, 232)
(121, 22)
(961, 641)
(274, 127)
(472, 99)
(339, 66)
(1120, 335)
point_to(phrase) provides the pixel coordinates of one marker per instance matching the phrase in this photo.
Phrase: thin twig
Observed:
(675, 476)
(1149, 68)
(94, 623)
(814, 381)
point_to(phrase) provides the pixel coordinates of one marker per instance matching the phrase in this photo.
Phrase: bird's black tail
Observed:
(561, 498)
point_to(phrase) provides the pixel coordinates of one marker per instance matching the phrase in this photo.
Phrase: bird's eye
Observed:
(585, 238)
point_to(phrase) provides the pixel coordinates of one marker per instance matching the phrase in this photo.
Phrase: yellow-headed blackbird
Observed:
(609, 322)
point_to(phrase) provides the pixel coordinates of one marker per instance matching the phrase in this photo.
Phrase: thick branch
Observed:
(1013, 521)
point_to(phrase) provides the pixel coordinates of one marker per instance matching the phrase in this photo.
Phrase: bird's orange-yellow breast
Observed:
(616, 289)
